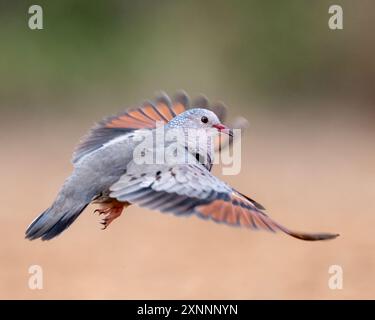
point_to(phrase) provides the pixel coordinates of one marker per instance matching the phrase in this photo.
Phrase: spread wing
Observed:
(163, 109)
(144, 117)
(187, 189)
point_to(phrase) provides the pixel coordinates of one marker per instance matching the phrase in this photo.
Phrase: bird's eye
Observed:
(204, 119)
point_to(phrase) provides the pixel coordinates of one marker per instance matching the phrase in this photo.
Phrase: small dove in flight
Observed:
(107, 173)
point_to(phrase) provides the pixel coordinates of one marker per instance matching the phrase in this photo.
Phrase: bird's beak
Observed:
(223, 129)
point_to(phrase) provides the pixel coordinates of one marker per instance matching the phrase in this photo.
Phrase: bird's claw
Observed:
(104, 225)
(102, 211)
(110, 212)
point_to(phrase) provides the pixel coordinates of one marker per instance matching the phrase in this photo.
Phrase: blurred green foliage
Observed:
(255, 49)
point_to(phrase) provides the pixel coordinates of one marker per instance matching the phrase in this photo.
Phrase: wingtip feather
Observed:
(312, 236)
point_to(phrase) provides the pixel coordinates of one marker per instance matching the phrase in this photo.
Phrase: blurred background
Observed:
(308, 154)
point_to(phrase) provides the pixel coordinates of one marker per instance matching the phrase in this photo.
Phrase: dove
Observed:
(107, 171)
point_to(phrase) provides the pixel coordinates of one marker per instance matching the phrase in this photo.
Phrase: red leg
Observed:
(111, 210)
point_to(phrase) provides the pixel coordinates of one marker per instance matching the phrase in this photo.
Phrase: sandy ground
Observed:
(309, 178)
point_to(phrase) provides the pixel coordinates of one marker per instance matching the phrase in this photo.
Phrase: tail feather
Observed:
(53, 221)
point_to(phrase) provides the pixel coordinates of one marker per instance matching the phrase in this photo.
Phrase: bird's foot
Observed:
(111, 215)
(111, 211)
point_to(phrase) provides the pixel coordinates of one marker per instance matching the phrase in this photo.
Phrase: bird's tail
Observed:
(55, 220)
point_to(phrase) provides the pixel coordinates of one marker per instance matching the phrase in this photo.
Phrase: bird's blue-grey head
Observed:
(198, 118)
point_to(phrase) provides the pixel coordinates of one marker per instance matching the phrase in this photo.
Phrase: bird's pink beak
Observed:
(224, 129)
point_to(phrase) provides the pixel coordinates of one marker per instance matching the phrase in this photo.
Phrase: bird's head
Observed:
(198, 118)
